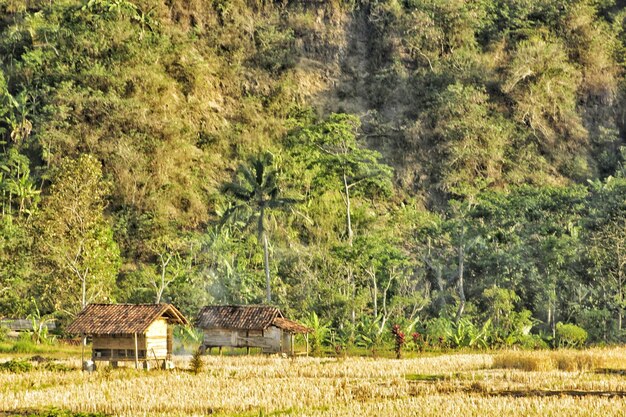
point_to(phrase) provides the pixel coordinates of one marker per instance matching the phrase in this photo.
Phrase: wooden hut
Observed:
(129, 332)
(257, 326)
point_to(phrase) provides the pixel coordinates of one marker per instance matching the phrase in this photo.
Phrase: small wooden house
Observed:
(257, 326)
(129, 332)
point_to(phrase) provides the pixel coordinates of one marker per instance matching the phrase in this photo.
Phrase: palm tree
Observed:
(256, 192)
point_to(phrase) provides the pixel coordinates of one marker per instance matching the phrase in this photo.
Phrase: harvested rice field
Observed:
(510, 383)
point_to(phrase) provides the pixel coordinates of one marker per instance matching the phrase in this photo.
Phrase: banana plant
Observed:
(467, 334)
(319, 334)
(39, 326)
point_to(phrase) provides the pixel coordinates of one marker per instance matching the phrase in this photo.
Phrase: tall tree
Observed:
(256, 192)
(341, 162)
(173, 258)
(606, 243)
(333, 149)
(74, 240)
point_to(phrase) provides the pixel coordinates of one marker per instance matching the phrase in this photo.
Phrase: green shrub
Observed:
(275, 48)
(570, 336)
(24, 346)
(55, 367)
(4, 331)
(438, 331)
(16, 366)
(591, 320)
(531, 341)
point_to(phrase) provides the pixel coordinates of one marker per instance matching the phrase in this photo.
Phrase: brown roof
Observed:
(237, 317)
(252, 317)
(290, 326)
(122, 318)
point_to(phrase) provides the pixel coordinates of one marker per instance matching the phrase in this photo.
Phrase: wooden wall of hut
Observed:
(156, 340)
(154, 344)
(269, 340)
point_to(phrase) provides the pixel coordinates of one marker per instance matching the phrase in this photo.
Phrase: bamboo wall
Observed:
(156, 335)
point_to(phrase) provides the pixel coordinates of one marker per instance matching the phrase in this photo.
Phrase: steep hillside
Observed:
(418, 146)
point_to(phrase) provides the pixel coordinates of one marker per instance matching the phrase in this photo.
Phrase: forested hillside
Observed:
(455, 164)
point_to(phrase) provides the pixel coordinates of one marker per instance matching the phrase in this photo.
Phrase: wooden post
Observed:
(82, 351)
(293, 344)
(156, 360)
(136, 353)
(170, 343)
(306, 337)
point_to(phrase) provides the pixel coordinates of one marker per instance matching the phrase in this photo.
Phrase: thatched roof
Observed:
(253, 317)
(102, 319)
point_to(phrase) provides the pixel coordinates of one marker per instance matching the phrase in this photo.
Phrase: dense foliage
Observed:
(454, 167)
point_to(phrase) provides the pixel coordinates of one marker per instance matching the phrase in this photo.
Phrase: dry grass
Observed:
(525, 361)
(543, 361)
(468, 385)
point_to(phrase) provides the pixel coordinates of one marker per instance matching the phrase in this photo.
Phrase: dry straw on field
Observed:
(452, 385)
(566, 360)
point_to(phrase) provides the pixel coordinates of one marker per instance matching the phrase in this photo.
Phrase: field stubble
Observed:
(452, 385)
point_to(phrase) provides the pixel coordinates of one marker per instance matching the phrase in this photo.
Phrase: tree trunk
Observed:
(441, 298)
(549, 321)
(375, 293)
(620, 297)
(161, 288)
(348, 216)
(84, 291)
(620, 282)
(551, 318)
(460, 283)
(605, 335)
(266, 259)
(437, 268)
(353, 290)
(266, 254)
(346, 190)
(385, 316)
(553, 301)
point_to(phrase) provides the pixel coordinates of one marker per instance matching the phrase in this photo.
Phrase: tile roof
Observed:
(252, 317)
(122, 318)
(290, 326)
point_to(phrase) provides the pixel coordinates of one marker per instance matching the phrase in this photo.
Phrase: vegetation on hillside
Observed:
(443, 166)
